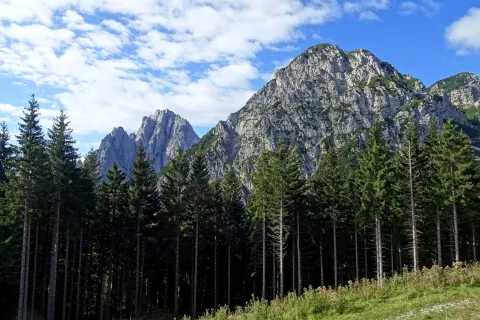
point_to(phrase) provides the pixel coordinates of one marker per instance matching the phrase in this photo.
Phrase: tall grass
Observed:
(349, 299)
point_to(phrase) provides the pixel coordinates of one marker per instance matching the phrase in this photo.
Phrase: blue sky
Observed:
(111, 62)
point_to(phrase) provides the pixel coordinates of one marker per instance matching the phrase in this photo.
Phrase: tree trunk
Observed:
(264, 255)
(21, 292)
(274, 276)
(215, 293)
(455, 230)
(52, 285)
(177, 270)
(27, 270)
(65, 278)
(195, 278)
(142, 279)
(294, 278)
(357, 269)
(474, 243)
(72, 281)
(365, 252)
(229, 270)
(299, 257)
(165, 292)
(79, 278)
(137, 272)
(322, 282)
(280, 251)
(413, 216)
(439, 236)
(122, 293)
(86, 275)
(392, 262)
(378, 241)
(34, 282)
(335, 264)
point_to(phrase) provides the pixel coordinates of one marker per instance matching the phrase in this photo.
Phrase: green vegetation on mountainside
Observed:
(435, 293)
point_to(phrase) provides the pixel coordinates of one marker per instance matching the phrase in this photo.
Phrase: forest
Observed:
(77, 246)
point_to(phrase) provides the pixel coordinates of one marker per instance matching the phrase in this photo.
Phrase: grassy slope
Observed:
(451, 293)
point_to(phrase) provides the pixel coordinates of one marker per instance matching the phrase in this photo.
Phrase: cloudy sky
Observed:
(110, 62)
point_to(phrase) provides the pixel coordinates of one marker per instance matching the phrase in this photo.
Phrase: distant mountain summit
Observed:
(463, 91)
(324, 95)
(162, 134)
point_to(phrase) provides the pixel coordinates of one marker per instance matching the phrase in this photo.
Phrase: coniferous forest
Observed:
(78, 246)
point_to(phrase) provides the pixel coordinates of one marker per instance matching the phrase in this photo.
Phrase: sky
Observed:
(108, 63)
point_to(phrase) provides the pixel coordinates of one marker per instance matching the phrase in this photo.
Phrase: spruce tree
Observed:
(174, 207)
(62, 158)
(331, 189)
(145, 204)
(231, 192)
(200, 199)
(373, 177)
(261, 207)
(433, 190)
(30, 164)
(410, 182)
(453, 161)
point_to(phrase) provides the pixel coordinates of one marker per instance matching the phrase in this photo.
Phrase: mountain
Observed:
(463, 91)
(324, 95)
(162, 134)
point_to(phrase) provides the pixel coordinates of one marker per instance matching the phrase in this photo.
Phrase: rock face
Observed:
(325, 94)
(162, 134)
(463, 91)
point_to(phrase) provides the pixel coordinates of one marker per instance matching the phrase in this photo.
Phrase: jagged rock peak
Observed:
(324, 94)
(462, 89)
(161, 133)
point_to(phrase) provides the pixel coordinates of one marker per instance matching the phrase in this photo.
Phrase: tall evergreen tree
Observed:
(200, 199)
(174, 207)
(410, 180)
(331, 189)
(63, 158)
(30, 165)
(145, 204)
(373, 176)
(453, 161)
(434, 188)
(231, 191)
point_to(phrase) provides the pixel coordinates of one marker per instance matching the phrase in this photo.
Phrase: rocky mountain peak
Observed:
(161, 133)
(463, 91)
(323, 94)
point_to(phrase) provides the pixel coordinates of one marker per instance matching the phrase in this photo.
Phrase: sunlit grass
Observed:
(435, 293)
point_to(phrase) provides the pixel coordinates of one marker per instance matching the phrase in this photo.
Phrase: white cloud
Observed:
(464, 34)
(369, 15)
(365, 8)
(428, 7)
(113, 71)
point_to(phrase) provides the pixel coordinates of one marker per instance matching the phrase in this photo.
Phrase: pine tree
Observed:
(231, 192)
(30, 164)
(373, 176)
(62, 157)
(434, 189)
(296, 206)
(261, 207)
(453, 161)
(145, 204)
(112, 207)
(200, 199)
(174, 206)
(331, 184)
(410, 181)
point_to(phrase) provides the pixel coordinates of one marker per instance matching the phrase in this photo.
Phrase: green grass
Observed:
(454, 82)
(436, 293)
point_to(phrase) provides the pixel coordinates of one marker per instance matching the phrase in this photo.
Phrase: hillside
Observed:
(436, 293)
